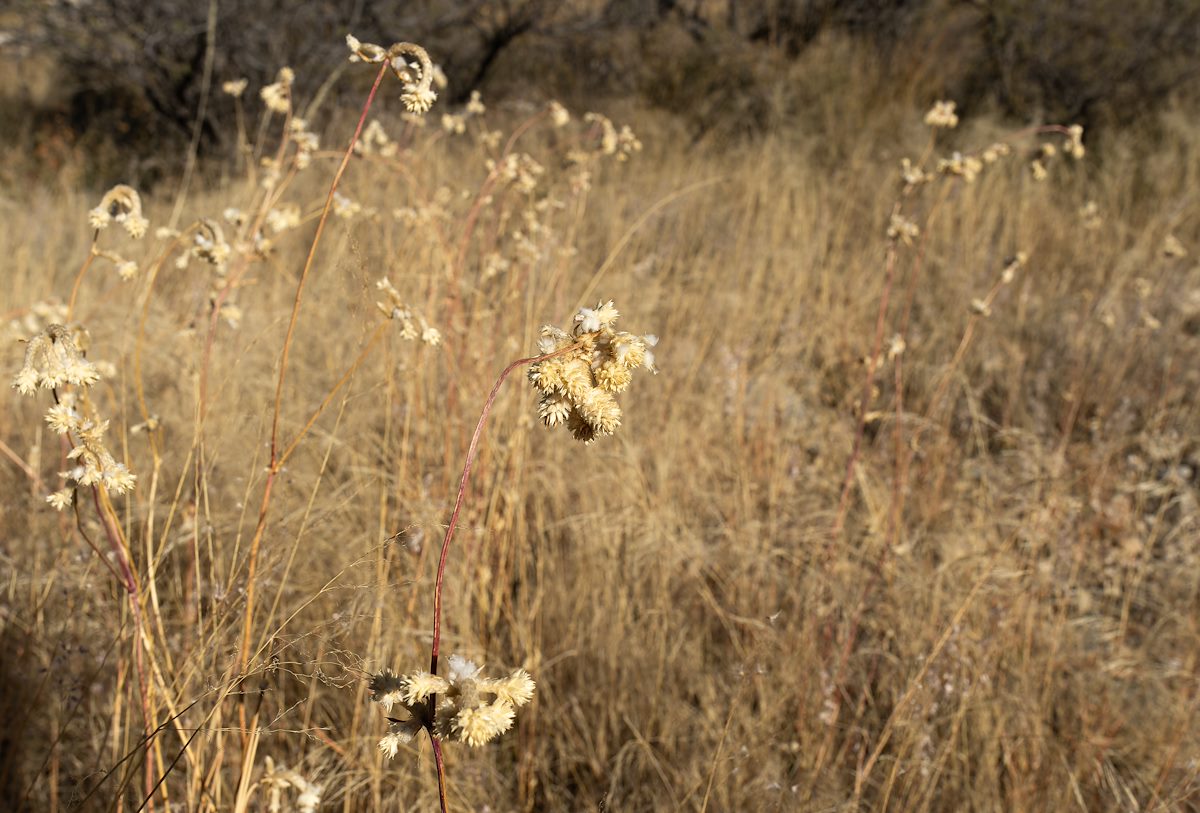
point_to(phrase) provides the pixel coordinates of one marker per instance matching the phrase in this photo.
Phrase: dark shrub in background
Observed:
(132, 72)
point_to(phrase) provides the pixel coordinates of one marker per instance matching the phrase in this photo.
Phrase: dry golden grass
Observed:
(1004, 618)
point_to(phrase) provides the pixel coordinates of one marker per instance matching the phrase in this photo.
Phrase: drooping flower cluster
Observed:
(966, 167)
(209, 245)
(412, 323)
(94, 463)
(1073, 146)
(902, 229)
(53, 360)
(942, 115)
(417, 75)
(470, 708)
(578, 386)
(621, 143)
(123, 205)
(278, 96)
(235, 87)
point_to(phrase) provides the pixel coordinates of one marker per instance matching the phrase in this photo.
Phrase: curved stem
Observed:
(79, 276)
(435, 648)
(462, 493)
(441, 771)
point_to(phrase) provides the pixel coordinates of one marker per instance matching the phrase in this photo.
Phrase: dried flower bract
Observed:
(470, 708)
(595, 362)
(123, 205)
(52, 359)
(942, 115)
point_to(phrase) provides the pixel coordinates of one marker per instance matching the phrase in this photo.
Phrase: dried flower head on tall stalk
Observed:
(596, 362)
(53, 360)
(577, 373)
(123, 205)
(417, 75)
(470, 708)
(418, 95)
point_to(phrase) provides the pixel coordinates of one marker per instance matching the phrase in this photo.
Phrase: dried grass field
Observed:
(906, 519)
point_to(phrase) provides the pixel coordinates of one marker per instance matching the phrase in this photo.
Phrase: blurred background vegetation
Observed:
(126, 78)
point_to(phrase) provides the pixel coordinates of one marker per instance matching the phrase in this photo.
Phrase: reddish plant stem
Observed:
(454, 296)
(485, 189)
(462, 494)
(132, 591)
(441, 771)
(308, 262)
(435, 647)
(276, 458)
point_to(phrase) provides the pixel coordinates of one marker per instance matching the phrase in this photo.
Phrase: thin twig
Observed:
(275, 465)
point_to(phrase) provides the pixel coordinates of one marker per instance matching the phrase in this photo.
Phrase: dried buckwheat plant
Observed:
(596, 362)
(577, 374)
(278, 779)
(53, 360)
(470, 708)
(121, 205)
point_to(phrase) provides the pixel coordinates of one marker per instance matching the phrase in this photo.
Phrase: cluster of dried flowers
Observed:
(942, 116)
(470, 708)
(411, 65)
(278, 95)
(121, 205)
(54, 361)
(278, 778)
(594, 363)
(412, 323)
(968, 166)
